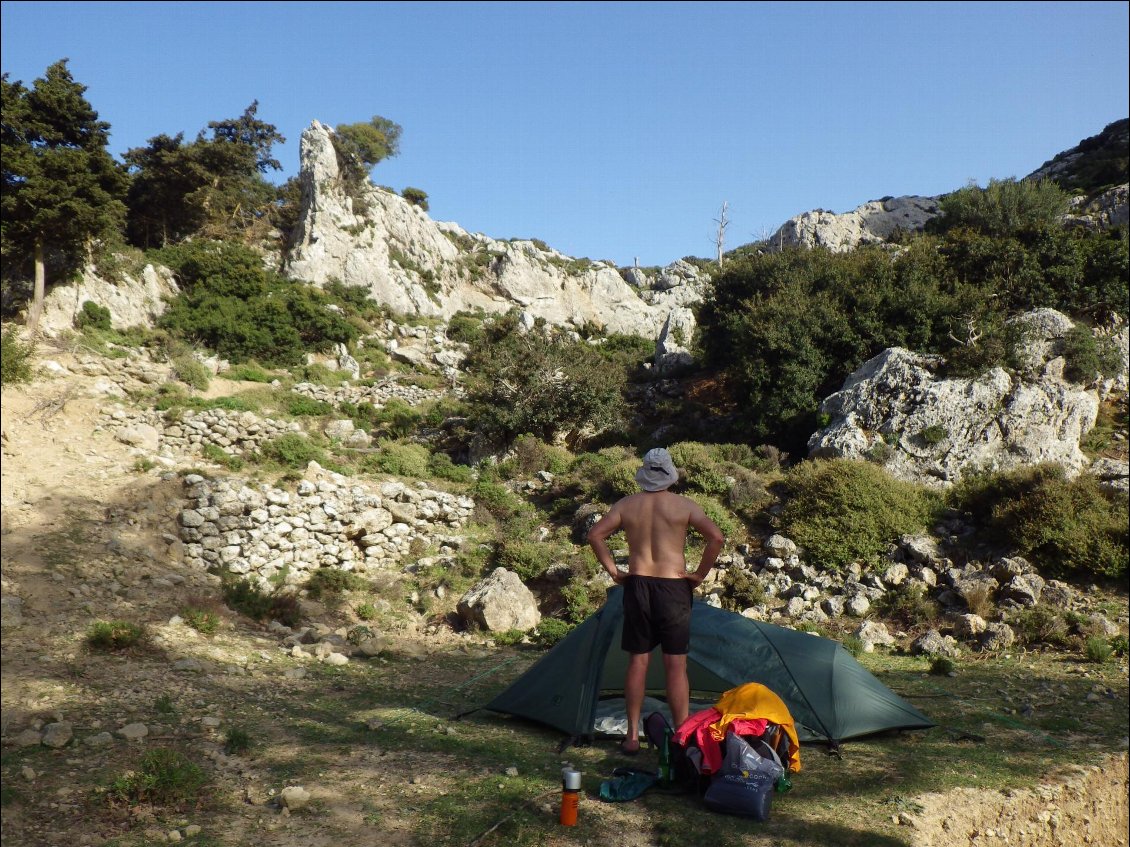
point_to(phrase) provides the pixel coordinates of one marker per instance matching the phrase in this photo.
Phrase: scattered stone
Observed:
(133, 731)
(58, 734)
(294, 797)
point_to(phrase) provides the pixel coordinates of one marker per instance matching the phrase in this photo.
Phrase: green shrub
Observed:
(1061, 525)
(236, 741)
(933, 435)
(529, 559)
(217, 454)
(742, 589)
(399, 460)
(114, 635)
(530, 454)
(508, 638)
(701, 468)
(1002, 208)
(328, 584)
(1086, 357)
(248, 372)
(549, 631)
(165, 778)
(416, 197)
(93, 316)
(15, 358)
(465, 328)
(844, 511)
(498, 500)
(941, 666)
(365, 611)
(907, 605)
(164, 705)
(606, 475)
(248, 599)
(1119, 645)
(540, 382)
(232, 304)
(202, 620)
(396, 420)
(320, 374)
(192, 372)
(1097, 650)
(1040, 625)
(301, 406)
(293, 451)
(853, 644)
(441, 466)
(582, 597)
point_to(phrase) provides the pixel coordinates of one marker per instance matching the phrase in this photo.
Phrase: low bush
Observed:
(248, 372)
(549, 631)
(742, 589)
(606, 475)
(217, 454)
(192, 372)
(203, 621)
(1063, 526)
(1040, 625)
(232, 304)
(908, 606)
(525, 557)
(93, 316)
(1097, 649)
(15, 359)
(328, 584)
(301, 406)
(843, 511)
(236, 741)
(165, 777)
(398, 459)
(941, 666)
(114, 635)
(248, 599)
(441, 466)
(293, 451)
(1086, 357)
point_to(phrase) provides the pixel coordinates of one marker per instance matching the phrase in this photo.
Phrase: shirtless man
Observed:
(658, 590)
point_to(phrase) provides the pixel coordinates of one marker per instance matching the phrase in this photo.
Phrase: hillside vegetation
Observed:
(538, 428)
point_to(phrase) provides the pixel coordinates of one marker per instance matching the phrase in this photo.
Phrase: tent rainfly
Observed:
(830, 695)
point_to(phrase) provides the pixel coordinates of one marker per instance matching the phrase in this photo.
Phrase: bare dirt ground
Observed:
(88, 535)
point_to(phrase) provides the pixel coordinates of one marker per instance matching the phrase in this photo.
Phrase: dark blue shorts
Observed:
(657, 611)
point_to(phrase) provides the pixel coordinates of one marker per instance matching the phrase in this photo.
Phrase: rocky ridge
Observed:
(418, 266)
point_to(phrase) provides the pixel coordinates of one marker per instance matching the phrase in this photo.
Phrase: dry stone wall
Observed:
(270, 533)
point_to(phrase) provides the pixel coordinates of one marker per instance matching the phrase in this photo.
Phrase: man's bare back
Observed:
(655, 524)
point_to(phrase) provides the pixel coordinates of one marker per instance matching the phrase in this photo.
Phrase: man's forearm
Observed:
(604, 556)
(709, 557)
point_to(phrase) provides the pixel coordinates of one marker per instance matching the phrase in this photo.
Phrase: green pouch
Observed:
(627, 784)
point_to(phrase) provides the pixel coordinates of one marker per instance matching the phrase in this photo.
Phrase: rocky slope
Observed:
(419, 266)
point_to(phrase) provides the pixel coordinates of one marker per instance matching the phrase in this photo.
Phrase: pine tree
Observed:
(62, 189)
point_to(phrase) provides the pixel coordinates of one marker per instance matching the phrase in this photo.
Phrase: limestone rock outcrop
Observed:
(896, 410)
(134, 300)
(872, 223)
(371, 237)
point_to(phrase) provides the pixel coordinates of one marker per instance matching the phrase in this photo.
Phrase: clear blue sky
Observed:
(615, 130)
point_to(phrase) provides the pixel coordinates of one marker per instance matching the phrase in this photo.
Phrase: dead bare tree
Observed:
(720, 238)
(974, 334)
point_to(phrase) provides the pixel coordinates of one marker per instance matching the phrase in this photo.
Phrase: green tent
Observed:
(830, 695)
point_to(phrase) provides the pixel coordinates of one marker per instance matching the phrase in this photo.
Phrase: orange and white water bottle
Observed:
(570, 796)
